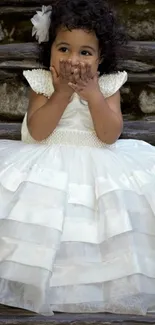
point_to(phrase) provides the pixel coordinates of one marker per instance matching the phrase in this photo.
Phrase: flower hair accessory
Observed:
(41, 23)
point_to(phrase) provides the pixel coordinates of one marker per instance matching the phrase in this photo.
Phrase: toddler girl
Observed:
(77, 208)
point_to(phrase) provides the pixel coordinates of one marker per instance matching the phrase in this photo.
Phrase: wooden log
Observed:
(128, 65)
(135, 66)
(141, 77)
(40, 2)
(140, 51)
(24, 11)
(140, 130)
(12, 69)
(25, 2)
(143, 129)
(137, 51)
(29, 7)
(10, 131)
(14, 316)
(18, 65)
(21, 51)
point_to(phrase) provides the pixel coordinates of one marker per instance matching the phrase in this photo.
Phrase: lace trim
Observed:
(69, 137)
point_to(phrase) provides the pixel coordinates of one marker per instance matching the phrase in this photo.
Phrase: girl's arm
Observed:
(44, 114)
(107, 116)
(105, 112)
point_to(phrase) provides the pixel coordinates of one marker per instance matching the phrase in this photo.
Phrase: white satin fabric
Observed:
(77, 225)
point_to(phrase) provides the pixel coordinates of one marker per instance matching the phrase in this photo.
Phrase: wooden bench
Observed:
(142, 129)
(15, 316)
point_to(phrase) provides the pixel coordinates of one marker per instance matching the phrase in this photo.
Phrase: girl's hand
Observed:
(61, 81)
(85, 85)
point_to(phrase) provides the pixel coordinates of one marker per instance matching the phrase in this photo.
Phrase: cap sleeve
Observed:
(40, 81)
(111, 83)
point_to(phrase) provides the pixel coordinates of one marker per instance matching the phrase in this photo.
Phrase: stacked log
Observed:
(18, 51)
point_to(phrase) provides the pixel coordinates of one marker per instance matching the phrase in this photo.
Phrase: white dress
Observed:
(77, 217)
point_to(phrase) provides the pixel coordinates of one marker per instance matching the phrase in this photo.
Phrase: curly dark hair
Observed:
(90, 15)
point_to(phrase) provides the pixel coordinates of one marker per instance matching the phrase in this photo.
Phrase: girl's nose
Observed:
(74, 57)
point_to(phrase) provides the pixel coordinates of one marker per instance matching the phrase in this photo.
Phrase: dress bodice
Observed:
(77, 115)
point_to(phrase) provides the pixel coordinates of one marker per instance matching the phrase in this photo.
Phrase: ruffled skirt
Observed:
(77, 227)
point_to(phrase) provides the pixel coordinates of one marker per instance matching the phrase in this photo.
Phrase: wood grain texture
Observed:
(140, 130)
(136, 67)
(20, 56)
(12, 69)
(24, 2)
(19, 51)
(15, 316)
(141, 77)
(140, 51)
(20, 64)
(24, 11)
(40, 2)
(137, 50)
(10, 131)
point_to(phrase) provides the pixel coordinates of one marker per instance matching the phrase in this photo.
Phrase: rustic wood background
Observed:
(18, 51)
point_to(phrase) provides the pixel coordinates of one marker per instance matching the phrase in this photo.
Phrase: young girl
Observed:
(77, 208)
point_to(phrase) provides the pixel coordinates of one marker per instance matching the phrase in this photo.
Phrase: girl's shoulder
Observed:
(111, 83)
(40, 81)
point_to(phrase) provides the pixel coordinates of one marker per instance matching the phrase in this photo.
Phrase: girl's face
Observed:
(77, 45)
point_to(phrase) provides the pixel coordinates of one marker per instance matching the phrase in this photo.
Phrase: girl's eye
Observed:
(63, 49)
(84, 52)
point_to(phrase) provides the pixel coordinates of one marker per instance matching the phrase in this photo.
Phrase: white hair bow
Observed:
(41, 23)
